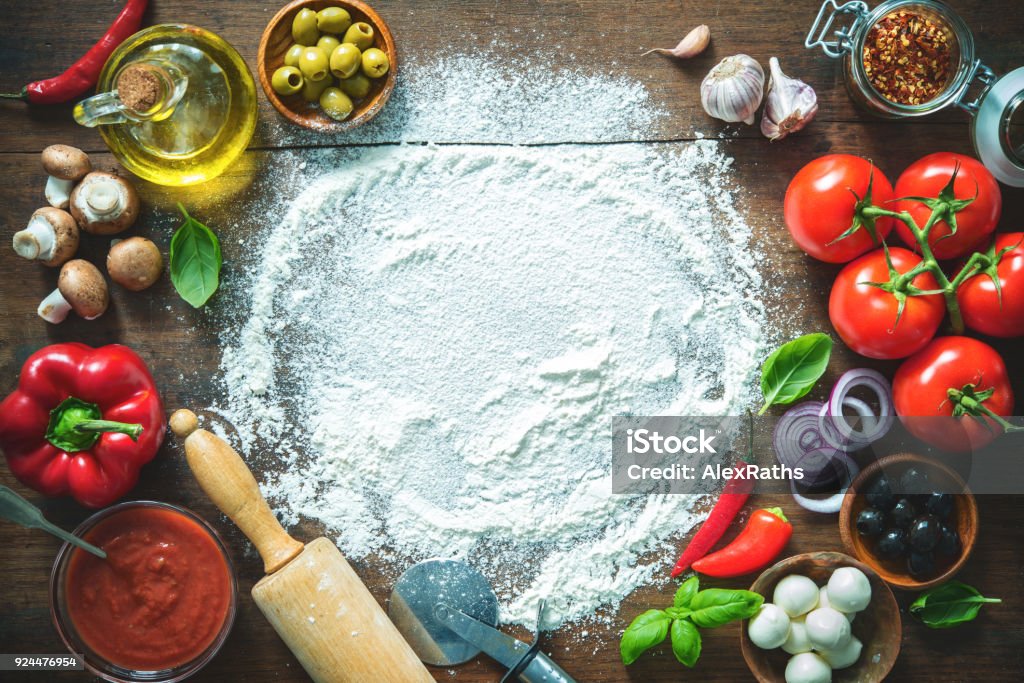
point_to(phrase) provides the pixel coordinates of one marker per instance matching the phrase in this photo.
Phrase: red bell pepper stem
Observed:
(767, 532)
(729, 504)
(132, 430)
(81, 76)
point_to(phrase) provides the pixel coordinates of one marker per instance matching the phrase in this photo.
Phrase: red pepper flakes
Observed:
(907, 58)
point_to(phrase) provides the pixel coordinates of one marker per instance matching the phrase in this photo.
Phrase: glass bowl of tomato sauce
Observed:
(159, 607)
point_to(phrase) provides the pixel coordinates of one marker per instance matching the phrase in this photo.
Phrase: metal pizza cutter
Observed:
(448, 614)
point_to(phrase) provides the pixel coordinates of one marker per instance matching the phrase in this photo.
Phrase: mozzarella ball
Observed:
(796, 594)
(808, 667)
(823, 601)
(769, 628)
(849, 590)
(844, 656)
(797, 641)
(827, 629)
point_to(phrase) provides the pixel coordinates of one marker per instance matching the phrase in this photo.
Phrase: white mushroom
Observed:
(80, 288)
(104, 204)
(134, 263)
(65, 166)
(51, 237)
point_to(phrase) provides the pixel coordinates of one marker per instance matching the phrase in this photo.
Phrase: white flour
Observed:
(442, 335)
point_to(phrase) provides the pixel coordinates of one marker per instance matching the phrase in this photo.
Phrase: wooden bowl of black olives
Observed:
(911, 519)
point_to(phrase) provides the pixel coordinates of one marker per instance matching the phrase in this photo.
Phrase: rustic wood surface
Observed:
(43, 36)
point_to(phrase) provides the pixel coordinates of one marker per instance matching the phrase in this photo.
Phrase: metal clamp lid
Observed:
(819, 34)
(997, 112)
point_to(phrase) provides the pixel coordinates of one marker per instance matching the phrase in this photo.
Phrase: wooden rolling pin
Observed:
(310, 595)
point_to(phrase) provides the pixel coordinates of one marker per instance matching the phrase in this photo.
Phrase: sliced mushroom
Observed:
(134, 263)
(80, 288)
(51, 237)
(104, 204)
(65, 165)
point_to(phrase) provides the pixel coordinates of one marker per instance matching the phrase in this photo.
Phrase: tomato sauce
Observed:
(159, 599)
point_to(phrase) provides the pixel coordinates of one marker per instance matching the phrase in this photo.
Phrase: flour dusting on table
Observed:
(439, 336)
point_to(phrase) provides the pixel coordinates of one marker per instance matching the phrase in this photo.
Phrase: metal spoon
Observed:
(18, 510)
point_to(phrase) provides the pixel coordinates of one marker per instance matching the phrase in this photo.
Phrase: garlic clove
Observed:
(789, 106)
(695, 42)
(732, 91)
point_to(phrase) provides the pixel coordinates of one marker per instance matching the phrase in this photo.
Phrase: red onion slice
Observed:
(874, 426)
(798, 442)
(829, 505)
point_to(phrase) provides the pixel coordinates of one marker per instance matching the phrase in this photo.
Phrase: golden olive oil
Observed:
(196, 137)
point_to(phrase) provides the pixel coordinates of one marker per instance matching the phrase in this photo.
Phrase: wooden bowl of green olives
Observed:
(911, 518)
(327, 65)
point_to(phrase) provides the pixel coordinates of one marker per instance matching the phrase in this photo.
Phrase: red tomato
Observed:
(925, 178)
(920, 392)
(865, 316)
(820, 206)
(998, 314)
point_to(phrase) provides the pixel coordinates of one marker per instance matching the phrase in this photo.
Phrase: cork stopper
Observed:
(140, 87)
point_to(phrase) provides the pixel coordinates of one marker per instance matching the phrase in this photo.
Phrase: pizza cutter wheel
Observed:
(448, 613)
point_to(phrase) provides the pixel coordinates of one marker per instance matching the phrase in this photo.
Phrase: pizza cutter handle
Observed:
(539, 668)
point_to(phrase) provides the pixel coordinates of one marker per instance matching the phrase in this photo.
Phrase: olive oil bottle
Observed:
(176, 104)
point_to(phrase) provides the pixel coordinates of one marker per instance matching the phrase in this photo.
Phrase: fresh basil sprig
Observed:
(691, 608)
(195, 261)
(949, 605)
(793, 369)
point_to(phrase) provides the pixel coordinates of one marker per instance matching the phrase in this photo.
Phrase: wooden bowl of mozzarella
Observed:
(878, 626)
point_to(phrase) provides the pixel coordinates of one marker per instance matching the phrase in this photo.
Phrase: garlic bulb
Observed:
(732, 91)
(790, 105)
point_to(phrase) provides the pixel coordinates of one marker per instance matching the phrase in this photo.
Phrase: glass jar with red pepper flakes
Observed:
(909, 58)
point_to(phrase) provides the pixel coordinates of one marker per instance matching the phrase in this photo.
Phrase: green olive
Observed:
(313, 64)
(287, 80)
(291, 58)
(357, 86)
(304, 27)
(335, 103)
(359, 34)
(311, 90)
(333, 20)
(328, 44)
(345, 60)
(375, 63)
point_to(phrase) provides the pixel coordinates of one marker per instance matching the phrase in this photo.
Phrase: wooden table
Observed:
(43, 36)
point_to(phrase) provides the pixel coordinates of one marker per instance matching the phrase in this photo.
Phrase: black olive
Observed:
(939, 504)
(921, 565)
(902, 513)
(949, 543)
(914, 485)
(892, 544)
(870, 522)
(924, 534)
(879, 494)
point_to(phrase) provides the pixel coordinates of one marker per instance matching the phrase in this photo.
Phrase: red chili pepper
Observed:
(82, 421)
(767, 532)
(83, 74)
(728, 505)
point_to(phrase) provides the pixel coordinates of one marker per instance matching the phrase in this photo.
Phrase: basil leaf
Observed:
(684, 596)
(195, 261)
(793, 369)
(685, 642)
(949, 605)
(646, 631)
(715, 607)
(677, 612)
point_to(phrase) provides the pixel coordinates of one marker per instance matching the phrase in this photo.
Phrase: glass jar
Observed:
(97, 664)
(841, 32)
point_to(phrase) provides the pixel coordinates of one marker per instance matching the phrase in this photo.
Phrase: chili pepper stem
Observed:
(132, 430)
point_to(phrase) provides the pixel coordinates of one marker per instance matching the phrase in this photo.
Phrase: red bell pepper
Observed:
(728, 505)
(82, 421)
(767, 532)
